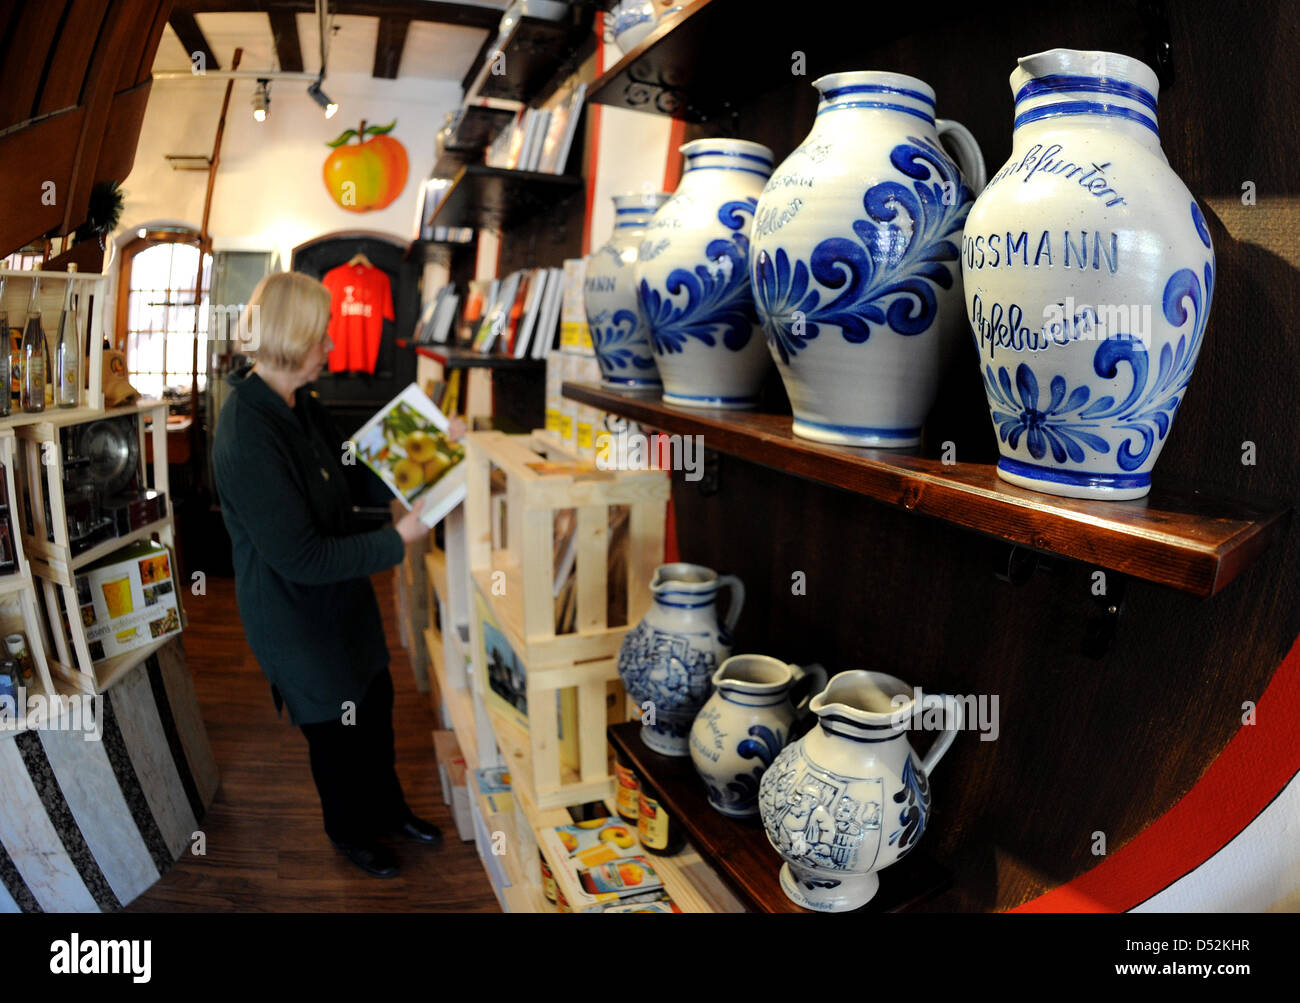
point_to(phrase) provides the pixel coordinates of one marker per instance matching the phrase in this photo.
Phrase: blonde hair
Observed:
(292, 317)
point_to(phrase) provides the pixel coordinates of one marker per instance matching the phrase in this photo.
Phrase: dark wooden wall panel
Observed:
(1086, 744)
(78, 34)
(34, 32)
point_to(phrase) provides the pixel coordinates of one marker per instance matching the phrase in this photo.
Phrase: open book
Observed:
(406, 444)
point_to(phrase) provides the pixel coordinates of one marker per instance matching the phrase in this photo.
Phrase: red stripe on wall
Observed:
(673, 169)
(1253, 768)
(593, 138)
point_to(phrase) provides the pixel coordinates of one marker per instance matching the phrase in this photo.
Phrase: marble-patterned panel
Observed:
(7, 903)
(33, 844)
(146, 742)
(185, 711)
(94, 796)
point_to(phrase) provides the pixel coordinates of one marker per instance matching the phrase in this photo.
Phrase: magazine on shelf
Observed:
(494, 320)
(559, 137)
(533, 306)
(444, 317)
(548, 319)
(406, 445)
(515, 316)
(541, 121)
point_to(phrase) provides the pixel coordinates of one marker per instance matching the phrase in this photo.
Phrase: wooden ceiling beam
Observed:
(191, 35)
(462, 14)
(288, 47)
(389, 43)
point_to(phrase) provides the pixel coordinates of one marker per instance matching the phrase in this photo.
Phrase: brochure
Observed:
(406, 444)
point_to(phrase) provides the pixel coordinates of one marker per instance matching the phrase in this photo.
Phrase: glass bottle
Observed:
(659, 832)
(6, 405)
(33, 354)
(67, 349)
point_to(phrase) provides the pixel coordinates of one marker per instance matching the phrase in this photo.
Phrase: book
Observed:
(424, 328)
(564, 127)
(494, 321)
(532, 155)
(515, 316)
(444, 315)
(405, 443)
(544, 339)
(477, 300)
(536, 287)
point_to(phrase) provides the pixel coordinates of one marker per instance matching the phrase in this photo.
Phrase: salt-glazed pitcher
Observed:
(618, 331)
(743, 726)
(854, 259)
(850, 798)
(667, 660)
(692, 275)
(1088, 271)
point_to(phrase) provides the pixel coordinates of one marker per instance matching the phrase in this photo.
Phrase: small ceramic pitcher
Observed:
(668, 659)
(850, 797)
(743, 726)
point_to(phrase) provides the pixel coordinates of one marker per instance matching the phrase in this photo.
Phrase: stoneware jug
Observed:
(1088, 272)
(743, 726)
(850, 798)
(855, 259)
(693, 278)
(667, 660)
(618, 332)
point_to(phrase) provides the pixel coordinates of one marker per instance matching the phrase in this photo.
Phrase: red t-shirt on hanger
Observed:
(361, 299)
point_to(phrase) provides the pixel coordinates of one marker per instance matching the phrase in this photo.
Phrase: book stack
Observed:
(540, 140)
(438, 318)
(517, 315)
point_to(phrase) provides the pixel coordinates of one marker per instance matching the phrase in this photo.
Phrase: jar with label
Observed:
(660, 834)
(627, 789)
(548, 880)
(16, 645)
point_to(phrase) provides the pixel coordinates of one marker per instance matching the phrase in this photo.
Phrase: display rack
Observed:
(52, 561)
(93, 291)
(497, 198)
(675, 70)
(1187, 540)
(516, 581)
(739, 849)
(533, 58)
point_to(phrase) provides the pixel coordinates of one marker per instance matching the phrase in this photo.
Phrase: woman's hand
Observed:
(458, 428)
(409, 527)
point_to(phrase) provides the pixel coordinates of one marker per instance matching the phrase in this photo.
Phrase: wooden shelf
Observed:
(677, 71)
(454, 357)
(479, 125)
(535, 57)
(59, 417)
(738, 849)
(495, 198)
(1187, 540)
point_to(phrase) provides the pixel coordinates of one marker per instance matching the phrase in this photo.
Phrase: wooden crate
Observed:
(39, 467)
(516, 582)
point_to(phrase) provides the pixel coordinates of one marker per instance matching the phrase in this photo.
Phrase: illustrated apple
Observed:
(618, 835)
(369, 174)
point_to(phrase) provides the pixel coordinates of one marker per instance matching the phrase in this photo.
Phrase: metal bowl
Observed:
(113, 448)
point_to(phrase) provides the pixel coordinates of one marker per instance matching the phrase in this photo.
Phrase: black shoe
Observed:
(372, 859)
(421, 831)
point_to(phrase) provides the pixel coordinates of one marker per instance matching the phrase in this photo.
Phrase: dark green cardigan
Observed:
(301, 568)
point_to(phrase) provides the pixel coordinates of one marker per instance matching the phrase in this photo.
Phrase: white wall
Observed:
(269, 192)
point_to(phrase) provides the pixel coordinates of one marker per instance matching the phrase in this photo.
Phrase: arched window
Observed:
(163, 276)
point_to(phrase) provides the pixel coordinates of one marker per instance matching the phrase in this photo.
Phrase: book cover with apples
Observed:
(406, 445)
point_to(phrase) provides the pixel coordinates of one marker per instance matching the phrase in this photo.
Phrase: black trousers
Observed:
(353, 766)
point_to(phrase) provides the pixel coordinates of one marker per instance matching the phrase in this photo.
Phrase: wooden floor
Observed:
(266, 848)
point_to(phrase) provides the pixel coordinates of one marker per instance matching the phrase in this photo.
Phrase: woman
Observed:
(287, 488)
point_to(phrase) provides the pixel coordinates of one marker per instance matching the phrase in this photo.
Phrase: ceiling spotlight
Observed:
(262, 99)
(322, 99)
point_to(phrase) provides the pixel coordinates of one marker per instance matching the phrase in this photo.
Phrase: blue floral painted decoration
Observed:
(886, 260)
(719, 300)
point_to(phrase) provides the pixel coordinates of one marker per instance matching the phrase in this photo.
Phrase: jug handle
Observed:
(737, 599)
(952, 715)
(969, 157)
(817, 676)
